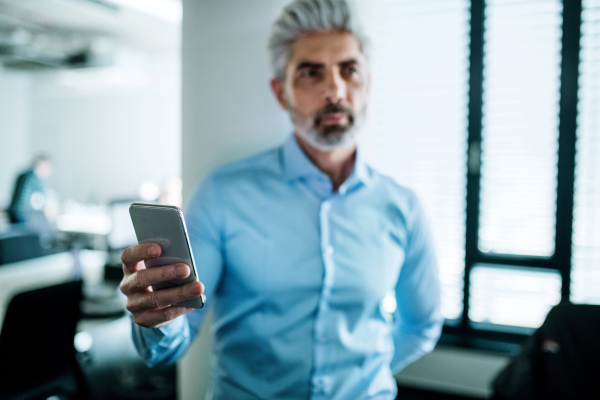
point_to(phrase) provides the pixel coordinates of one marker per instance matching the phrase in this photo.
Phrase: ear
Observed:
(278, 91)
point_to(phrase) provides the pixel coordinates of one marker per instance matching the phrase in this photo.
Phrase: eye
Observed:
(309, 73)
(350, 70)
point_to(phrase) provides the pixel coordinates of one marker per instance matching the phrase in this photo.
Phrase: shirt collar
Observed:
(297, 165)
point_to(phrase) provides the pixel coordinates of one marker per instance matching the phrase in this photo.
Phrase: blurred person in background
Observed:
(321, 271)
(30, 193)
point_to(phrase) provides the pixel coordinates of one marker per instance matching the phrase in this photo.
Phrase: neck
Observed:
(336, 163)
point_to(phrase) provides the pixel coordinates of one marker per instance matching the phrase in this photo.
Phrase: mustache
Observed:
(334, 108)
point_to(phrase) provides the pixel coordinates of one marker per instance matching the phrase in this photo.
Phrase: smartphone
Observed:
(165, 226)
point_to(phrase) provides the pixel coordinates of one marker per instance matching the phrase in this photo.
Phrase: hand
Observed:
(154, 308)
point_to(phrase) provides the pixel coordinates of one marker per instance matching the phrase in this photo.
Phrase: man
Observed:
(299, 246)
(29, 193)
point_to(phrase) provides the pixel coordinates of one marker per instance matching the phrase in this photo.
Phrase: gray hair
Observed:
(302, 16)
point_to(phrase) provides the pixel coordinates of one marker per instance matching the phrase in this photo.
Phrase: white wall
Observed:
(228, 111)
(14, 124)
(107, 130)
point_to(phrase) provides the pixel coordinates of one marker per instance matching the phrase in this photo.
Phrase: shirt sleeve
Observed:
(203, 216)
(418, 295)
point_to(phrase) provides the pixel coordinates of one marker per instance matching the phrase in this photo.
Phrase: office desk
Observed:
(49, 270)
(109, 362)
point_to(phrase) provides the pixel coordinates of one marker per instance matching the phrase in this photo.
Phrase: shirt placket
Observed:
(321, 381)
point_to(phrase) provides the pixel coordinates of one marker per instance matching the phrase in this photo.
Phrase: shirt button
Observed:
(326, 206)
(318, 386)
(322, 338)
(329, 250)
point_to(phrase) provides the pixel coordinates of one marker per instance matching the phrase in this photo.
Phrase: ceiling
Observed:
(64, 32)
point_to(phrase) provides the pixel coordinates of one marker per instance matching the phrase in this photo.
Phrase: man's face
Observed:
(325, 88)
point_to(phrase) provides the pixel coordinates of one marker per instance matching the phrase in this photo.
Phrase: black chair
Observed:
(561, 360)
(36, 345)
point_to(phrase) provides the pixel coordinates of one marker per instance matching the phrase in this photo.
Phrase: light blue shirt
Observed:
(297, 275)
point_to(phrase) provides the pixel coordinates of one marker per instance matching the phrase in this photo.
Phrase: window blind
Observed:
(419, 119)
(512, 296)
(585, 263)
(520, 126)
(519, 157)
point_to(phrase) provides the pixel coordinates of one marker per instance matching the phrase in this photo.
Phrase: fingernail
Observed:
(180, 271)
(153, 251)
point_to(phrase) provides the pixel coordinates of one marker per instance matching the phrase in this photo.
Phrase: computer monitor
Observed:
(122, 234)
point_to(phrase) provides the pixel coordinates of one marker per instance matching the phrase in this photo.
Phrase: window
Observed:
(505, 295)
(519, 136)
(519, 163)
(485, 110)
(585, 275)
(420, 91)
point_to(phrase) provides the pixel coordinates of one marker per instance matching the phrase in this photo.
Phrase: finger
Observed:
(131, 256)
(158, 299)
(159, 317)
(142, 279)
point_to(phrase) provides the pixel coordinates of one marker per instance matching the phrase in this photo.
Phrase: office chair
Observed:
(561, 360)
(36, 345)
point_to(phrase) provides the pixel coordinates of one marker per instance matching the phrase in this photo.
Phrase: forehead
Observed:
(326, 47)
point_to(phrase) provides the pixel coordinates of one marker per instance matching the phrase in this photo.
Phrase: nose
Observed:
(335, 88)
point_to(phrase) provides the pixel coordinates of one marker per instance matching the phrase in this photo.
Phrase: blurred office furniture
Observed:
(113, 368)
(36, 343)
(107, 227)
(18, 245)
(406, 393)
(48, 270)
(451, 372)
(561, 360)
(103, 299)
(105, 350)
(83, 225)
(26, 240)
(38, 223)
(121, 236)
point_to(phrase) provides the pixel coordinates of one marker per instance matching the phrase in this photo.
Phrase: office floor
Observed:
(115, 371)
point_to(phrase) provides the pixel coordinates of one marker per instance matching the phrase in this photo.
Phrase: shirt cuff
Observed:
(156, 345)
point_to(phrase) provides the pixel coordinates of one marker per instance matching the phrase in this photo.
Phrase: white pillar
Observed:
(228, 112)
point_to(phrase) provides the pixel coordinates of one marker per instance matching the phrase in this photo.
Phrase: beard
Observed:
(330, 136)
